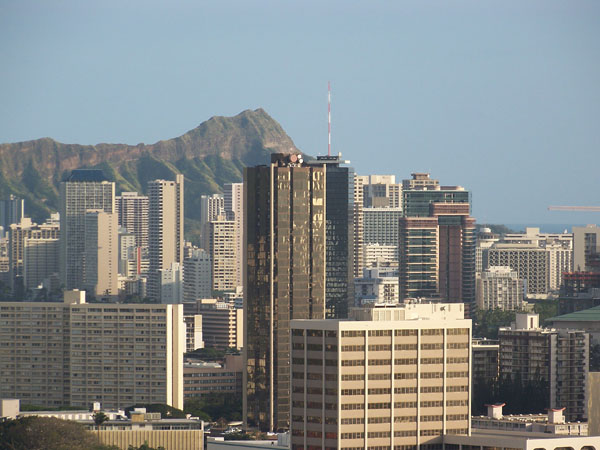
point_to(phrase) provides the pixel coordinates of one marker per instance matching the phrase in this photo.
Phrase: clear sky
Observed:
(501, 96)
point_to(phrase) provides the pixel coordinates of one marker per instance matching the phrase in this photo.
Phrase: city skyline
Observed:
(492, 98)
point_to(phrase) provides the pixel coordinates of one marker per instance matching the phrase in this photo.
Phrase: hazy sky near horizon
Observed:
(501, 97)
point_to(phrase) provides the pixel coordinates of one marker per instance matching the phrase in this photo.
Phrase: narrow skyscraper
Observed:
(284, 277)
(165, 229)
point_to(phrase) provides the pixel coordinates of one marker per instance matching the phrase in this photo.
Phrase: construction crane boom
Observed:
(574, 208)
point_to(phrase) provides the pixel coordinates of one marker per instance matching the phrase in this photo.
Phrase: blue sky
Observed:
(502, 97)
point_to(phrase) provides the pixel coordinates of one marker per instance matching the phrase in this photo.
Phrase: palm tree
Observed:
(99, 418)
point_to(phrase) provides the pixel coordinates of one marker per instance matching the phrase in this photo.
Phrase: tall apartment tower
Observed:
(358, 227)
(165, 229)
(12, 210)
(391, 378)
(339, 219)
(382, 191)
(83, 190)
(233, 196)
(220, 243)
(132, 213)
(101, 254)
(284, 277)
(211, 206)
(437, 243)
(197, 278)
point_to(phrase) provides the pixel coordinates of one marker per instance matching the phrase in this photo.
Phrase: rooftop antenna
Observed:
(329, 117)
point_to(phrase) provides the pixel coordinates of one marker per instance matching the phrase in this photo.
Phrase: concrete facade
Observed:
(75, 353)
(392, 378)
(500, 288)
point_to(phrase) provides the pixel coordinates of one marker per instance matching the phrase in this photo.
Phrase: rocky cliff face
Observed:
(210, 155)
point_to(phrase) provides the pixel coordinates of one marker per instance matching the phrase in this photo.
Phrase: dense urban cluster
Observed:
(317, 309)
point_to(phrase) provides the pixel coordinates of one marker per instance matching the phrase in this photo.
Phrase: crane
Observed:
(575, 208)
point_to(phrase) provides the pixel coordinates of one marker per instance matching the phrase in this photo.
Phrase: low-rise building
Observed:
(202, 378)
(557, 357)
(552, 423)
(378, 284)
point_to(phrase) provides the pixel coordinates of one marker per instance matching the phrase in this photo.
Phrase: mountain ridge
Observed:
(209, 155)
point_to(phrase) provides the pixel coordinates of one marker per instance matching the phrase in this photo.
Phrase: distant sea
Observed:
(544, 227)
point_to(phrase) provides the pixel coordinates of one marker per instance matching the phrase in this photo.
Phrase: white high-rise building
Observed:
(165, 229)
(132, 211)
(211, 206)
(197, 278)
(83, 190)
(171, 284)
(101, 251)
(500, 287)
(220, 243)
(378, 284)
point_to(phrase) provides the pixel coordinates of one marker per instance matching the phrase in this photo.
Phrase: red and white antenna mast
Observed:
(329, 117)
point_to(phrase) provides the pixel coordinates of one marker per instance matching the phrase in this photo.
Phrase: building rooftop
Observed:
(586, 315)
(86, 175)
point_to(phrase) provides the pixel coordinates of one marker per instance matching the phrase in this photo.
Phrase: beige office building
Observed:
(394, 377)
(75, 353)
(101, 254)
(165, 229)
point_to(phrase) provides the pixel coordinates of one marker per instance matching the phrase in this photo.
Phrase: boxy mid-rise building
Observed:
(390, 377)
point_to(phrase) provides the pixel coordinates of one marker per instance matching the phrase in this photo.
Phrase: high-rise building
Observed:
(81, 191)
(165, 229)
(500, 288)
(197, 278)
(233, 196)
(41, 241)
(420, 181)
(339, 230)
(101, 254)
(211, 206)
(437, 243)
(382, 191)
(220, 243)
(284, 277)
(586, 248)
(381, 225)
(541, 266)
(12, 211)
(132, 213)
(358, 227)
(171, 283)
(557, 360)
(392, 378)
(75, 353)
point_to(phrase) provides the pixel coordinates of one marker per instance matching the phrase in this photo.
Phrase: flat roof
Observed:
(586, 315)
